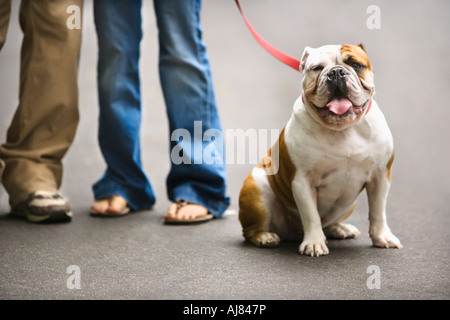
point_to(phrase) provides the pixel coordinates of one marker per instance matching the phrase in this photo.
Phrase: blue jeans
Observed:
(188, 92)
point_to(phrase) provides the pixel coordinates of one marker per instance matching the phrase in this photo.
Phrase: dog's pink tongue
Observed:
(339, 106)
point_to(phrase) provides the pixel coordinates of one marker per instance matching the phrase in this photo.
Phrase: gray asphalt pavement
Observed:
(137, 257)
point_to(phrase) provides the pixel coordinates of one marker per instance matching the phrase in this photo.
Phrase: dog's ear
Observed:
(362, 47)
(304, 57)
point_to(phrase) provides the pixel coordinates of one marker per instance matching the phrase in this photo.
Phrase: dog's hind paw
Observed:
(341, 231)
(266, 240)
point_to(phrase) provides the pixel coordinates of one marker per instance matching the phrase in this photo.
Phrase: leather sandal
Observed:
(182, 203)
(107, 213)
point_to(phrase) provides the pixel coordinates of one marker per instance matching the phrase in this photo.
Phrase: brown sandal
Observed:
(107, 213)
(182, 203)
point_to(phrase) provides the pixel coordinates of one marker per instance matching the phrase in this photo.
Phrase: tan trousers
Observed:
(45, 122)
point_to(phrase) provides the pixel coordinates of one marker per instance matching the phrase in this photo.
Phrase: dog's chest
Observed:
(338, 164)
(336, 167)
(337, 183)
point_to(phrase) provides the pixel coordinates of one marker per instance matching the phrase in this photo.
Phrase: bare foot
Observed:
(184, 211)
(113, 205)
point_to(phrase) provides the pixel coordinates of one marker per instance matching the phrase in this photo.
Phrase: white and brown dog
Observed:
(336, 144)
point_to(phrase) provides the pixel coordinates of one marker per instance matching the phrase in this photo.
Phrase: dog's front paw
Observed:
(384, 238)
(314, 246)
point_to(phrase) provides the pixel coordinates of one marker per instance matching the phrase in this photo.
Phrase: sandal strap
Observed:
(182, 203)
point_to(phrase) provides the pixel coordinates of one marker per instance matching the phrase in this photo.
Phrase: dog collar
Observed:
(368, 107)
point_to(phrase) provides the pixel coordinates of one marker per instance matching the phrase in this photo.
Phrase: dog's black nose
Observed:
(335, 73)
(337, 79)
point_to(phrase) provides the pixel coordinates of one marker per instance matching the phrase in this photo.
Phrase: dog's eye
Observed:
(317, 68)
(355, 65)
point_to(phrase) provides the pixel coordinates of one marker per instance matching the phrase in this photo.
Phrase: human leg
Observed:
(5, 13)
(189, 95)
(45, 122)
(118, 25)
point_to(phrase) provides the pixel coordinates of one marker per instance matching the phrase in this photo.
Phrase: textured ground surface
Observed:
(138, 257)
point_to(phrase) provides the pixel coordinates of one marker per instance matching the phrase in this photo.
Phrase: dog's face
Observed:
(337, 84)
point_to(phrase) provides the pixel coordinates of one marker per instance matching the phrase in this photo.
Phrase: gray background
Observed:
(139, 257)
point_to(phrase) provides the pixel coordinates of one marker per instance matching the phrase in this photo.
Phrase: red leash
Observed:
(291, 62)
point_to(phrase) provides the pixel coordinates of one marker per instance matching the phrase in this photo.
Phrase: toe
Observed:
(117, 204)
(191, 211)
(171, 211)
(100, 206)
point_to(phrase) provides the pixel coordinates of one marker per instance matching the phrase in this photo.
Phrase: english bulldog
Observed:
(335, 144)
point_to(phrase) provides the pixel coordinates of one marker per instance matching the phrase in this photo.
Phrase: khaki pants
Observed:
(45, 122)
